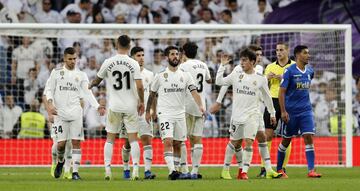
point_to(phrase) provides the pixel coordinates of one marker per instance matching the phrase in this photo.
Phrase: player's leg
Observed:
(146, 136)
(68, 159)
(113, 126)
(76, 135)
(185, 174)
(307, 130)
(147, 156)
(108, 153)
(167, 135)
(250, 127)
(125, 155)
(236, 133)
(177, 153)
(197, 147)
(131, 122)
(265, 155)
(53, 156)
(61, 130)
(269, 132)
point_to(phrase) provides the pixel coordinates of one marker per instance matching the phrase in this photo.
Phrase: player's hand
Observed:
(148, 117)
(203, 111)
(101, 109)
(141, 109)
(279, 77)
(225, 59)
(153, 116)
(285, 117)
(51, 118)
(52, 109)
(214, 108)
(273, 121)
(90, 86)
(270, 76)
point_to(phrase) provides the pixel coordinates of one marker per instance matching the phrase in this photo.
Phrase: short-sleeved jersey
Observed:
(277, 70)
(172, 88)
(199, 73)
(147, 77)
(247, 89)
(297, 84)
(64, 88)
(120, 73)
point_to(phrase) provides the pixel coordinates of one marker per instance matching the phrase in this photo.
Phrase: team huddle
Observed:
(175, 100)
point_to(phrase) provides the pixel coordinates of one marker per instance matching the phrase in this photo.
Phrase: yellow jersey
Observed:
(274, 84)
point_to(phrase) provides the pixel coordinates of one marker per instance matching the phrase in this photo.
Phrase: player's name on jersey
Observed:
(116, 63)
(199, 66)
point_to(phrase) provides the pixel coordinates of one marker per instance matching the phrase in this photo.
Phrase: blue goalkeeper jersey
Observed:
(297, 84)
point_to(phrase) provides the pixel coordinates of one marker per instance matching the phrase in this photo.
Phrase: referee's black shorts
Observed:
(277, 115)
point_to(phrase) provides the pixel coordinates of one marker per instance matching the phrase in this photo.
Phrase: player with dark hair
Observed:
(296, 109)
(171, 86)
(123, 78)
(66, 85)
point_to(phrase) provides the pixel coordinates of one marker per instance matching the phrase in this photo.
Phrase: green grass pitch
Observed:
(28, 179)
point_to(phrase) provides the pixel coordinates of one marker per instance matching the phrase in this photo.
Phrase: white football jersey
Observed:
(120, 73)
(247, 88)
(172, 88)
(65, 89)
(200, 74)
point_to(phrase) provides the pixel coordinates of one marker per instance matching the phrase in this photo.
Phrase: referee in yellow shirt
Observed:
(273, 73)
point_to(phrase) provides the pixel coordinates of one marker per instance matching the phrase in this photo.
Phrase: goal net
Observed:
(29, 52)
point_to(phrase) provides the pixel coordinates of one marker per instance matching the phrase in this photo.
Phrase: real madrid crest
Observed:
(254, 83)
(62, 73)
(241, 77)
(166, 75)
(76, 79)
(181, 79)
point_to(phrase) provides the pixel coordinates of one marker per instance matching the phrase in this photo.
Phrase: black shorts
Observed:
(277, 115)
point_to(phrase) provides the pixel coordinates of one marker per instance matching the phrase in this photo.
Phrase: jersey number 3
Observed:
(118, 85)
(200, 79)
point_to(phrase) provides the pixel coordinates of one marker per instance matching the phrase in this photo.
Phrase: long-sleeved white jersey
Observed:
(66, 87)
(247, 88)
(199, 73)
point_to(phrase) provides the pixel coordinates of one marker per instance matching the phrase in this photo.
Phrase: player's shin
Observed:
(68, 157)
(280, 156)
(108, 152)
(183, 159)
(196, 158)
(148, 155)
(247, 157)
(135, 155)
(265, 156)
(229, 153)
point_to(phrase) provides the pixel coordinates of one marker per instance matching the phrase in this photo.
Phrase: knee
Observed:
(261, 137)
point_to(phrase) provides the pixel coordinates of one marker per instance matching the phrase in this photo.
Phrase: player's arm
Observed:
(89, 96)
(153, 108)
(282, 92)
(50, 91)
(220, 80)
(193, 90)
(95, 82)
(140, 90)
(265, 92)
(150, 104)
(217, 105)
